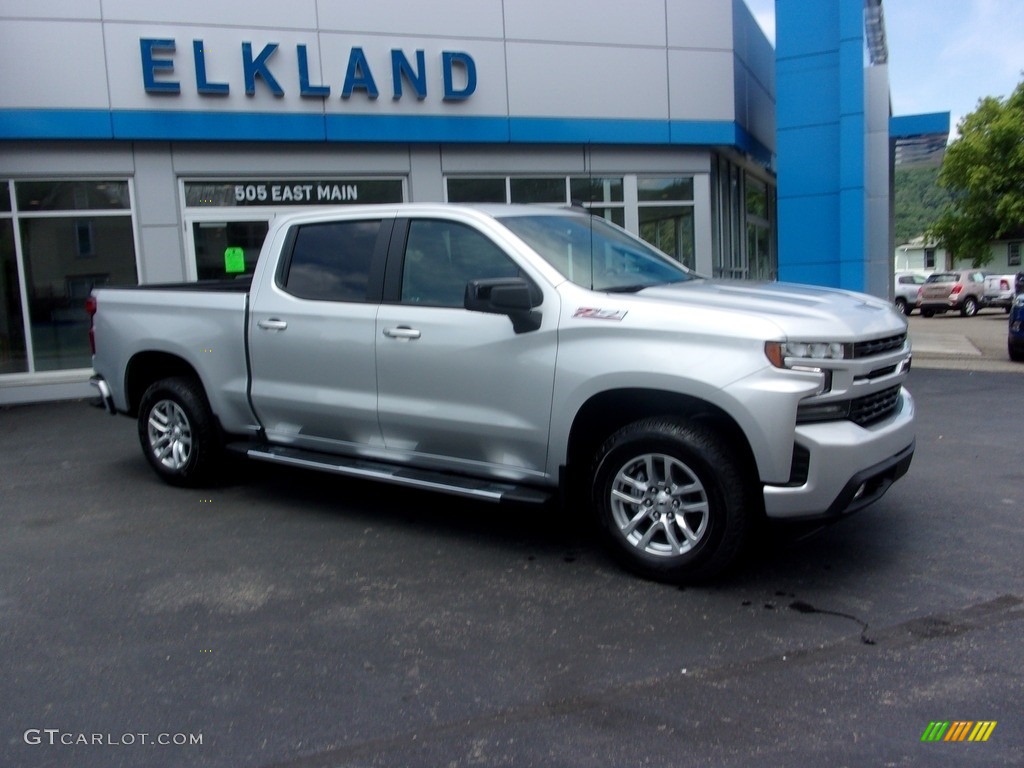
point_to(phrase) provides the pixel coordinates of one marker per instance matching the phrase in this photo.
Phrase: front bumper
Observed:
(849, 466)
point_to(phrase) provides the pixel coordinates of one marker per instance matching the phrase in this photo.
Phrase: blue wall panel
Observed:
(822, 183)
(810, 178)
(808, 27)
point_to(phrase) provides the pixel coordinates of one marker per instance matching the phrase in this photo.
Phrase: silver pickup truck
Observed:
(518, 354)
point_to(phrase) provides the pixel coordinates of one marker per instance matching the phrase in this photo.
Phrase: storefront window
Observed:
(757, 199)
(665, 189)
(666, 215)
(761, 264)
(71, 237)
(604, 196)
(590, 190)
(670, 230)
(477, 191)
(65, 258)
(72, 196)
(538, 190)
(13, 355)
(744, 230)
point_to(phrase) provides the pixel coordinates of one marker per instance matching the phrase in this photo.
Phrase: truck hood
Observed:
(800, 311)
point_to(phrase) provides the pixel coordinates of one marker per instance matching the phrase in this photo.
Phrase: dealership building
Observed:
(145, 142)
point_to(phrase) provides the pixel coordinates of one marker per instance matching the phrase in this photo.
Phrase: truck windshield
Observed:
(594, 254)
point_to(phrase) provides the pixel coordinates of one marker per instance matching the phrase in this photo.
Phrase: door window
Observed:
(331, 261)
(441, 257)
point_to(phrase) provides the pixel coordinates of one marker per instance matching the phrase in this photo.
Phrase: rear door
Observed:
(460, 390)
(312, 331)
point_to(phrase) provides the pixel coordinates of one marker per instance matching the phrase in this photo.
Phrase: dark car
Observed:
(1015, 339)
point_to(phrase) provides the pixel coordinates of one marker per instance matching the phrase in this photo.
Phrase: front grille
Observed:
(879, 346)
(872, 408)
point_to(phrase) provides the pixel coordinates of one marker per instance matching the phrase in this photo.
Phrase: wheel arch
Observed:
(146, 368)
(606, 412)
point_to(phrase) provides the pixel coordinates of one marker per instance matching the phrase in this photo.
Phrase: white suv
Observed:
(907, 285)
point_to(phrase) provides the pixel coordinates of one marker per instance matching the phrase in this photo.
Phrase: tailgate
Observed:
(936, 290)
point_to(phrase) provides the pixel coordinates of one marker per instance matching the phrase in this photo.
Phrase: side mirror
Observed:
(511, 296)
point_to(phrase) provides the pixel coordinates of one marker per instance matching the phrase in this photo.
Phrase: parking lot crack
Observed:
(802, 607)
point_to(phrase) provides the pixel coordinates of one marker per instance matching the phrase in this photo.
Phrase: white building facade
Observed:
(146, 142)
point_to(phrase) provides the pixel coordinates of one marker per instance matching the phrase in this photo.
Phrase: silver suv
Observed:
(961, 290)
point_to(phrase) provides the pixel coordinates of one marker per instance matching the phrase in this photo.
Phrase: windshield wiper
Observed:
(630, 288)
(637, 287)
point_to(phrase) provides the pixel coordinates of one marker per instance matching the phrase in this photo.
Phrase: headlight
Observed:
(799, 353)
(1019, 301)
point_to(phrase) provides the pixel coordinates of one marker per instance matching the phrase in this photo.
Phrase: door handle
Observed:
(402, 333)
(272, 324)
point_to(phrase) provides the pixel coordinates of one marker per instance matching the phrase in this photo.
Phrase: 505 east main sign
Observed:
(159, 75)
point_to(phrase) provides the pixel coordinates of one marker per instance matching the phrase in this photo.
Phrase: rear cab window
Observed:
(332, 261)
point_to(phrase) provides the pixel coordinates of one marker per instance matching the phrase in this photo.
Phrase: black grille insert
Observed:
(873, 408)
(879, 346)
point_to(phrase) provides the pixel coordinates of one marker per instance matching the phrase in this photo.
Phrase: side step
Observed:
(458, 485)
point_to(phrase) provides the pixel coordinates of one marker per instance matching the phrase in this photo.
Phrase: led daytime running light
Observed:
(803, 351)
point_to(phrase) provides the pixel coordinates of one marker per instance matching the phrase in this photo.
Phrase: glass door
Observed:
(222, 248)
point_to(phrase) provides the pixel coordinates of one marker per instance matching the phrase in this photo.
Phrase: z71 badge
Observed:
(594, 313)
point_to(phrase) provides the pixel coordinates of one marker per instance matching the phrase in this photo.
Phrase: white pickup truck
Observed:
(517, 354)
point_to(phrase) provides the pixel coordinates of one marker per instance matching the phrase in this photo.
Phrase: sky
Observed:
(944, 55)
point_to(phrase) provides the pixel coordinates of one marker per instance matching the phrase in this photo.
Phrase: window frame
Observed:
(374, 273)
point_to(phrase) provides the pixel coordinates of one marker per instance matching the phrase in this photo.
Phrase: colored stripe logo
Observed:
(958, 730)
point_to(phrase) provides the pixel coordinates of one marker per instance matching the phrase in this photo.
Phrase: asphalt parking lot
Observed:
(962, 343)
(293, 620)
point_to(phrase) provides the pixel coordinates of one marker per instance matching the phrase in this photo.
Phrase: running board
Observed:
(482, 490)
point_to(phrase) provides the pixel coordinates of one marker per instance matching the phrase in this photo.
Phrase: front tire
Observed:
(670, 499)
(178, 433)
(901, 306)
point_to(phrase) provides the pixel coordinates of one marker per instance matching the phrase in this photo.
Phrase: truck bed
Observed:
(202, 323)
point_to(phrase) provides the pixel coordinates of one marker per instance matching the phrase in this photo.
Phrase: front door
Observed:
(461, 390)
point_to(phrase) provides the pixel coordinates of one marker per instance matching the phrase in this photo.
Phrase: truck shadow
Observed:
(544, 533)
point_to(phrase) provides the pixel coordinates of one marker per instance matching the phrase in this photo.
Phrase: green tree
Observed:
(984, 172)
(919, 201)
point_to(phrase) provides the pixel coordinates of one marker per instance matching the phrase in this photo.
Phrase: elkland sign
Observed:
(161, 73)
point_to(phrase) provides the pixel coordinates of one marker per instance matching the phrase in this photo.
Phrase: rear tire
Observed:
(178, 433)
(671, 500)
(969, 308)
(927, 313)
